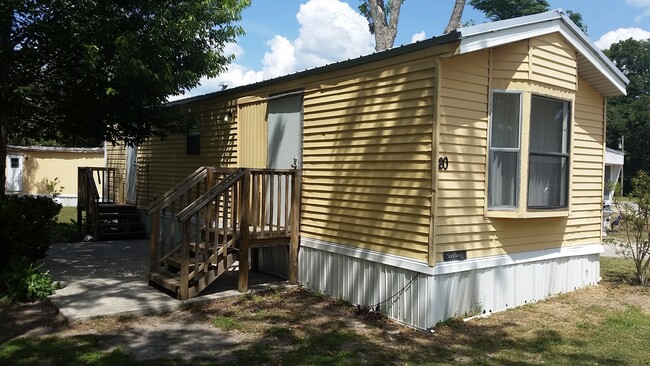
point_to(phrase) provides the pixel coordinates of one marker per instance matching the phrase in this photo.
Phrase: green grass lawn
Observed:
(607, 324)
(66, 227)
(67, 214)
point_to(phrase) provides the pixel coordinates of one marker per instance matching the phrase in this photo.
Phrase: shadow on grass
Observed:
(294, 327)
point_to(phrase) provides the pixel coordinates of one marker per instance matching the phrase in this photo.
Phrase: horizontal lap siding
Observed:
(463, 140)
(553, 62)
(162, 164)
(460, 221)
(367, 157)
(588, 164)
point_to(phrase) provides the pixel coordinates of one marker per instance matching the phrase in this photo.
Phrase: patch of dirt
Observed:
(29, 319)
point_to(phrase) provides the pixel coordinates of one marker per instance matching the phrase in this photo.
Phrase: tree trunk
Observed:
(385, 28)
(456, 15)
(6, 22)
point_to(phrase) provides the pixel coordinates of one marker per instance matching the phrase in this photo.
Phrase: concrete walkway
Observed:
(110, 278)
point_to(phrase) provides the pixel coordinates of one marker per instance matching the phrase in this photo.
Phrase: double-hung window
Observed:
(505, 131)
(548, 164)
(546, 154)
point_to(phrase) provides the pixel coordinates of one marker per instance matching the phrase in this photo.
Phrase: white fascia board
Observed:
(453, 267)
(614, 157)
(499, 33)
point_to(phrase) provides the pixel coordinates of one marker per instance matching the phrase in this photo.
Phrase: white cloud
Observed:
(233, 49)
(417, 37)
(281, 60)
(330, 31)
(621, 34)
(643, 4)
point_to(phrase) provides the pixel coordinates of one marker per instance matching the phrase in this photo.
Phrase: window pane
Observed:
(502, 182)
(548, 181)
(548, 126)
(505, 120)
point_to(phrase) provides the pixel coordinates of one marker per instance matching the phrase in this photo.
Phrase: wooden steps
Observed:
(119, 221)
(168, 276)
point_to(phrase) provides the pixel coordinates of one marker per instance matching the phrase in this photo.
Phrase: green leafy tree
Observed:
(102, 70)
(629, 115)
(506, 9)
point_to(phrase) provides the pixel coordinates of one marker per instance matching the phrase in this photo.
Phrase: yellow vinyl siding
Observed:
(460, 222)
(162, 164)
(367, 156)
(116, 158)
(43, 166)
(253, 133)
(553, 62)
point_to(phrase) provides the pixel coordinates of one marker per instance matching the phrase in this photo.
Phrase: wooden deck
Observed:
(213, 218)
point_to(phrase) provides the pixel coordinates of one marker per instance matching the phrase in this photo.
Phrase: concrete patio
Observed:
(110, 278)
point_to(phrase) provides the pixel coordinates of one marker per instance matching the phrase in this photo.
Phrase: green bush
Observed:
(26, 228)
(24, 282)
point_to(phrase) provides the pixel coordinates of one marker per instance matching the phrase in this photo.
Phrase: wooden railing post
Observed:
(80, 198)
(184, 290)
(295, 228)
(153, 242)
(244, 222)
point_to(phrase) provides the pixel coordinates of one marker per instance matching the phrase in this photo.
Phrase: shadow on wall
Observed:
(30, 183)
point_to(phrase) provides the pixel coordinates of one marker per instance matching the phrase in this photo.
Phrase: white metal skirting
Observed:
(422, 299)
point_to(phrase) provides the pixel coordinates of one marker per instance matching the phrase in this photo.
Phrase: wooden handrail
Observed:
(175, 192)
(210, 195)
(207, 224)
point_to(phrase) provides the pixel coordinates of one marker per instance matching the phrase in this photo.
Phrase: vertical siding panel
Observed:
(253, 132)
(116, 158)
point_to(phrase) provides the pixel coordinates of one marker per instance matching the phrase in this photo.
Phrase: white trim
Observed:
(498, 33)
(452, 267)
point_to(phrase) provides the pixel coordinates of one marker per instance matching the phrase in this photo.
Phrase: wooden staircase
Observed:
(211, 220)
(106, 218)
(206, 261)
(118, 221)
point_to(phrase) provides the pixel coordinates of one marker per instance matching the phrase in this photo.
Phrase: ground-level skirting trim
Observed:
(420, 298)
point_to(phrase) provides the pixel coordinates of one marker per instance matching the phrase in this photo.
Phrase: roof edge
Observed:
(413, 47)
(481, 36)
(19, 148)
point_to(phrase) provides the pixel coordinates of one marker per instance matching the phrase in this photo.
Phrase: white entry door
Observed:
(14, 174)
(131, 174)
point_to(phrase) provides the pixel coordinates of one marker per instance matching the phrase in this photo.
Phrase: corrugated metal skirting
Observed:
(421, 300)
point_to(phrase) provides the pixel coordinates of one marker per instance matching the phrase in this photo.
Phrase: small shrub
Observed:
(54, 187)
(25, 282)
(635, 226)
(26, 228)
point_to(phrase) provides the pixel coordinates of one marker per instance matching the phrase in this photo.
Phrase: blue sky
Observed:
(285, 36)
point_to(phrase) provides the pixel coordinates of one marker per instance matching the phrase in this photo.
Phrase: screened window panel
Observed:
(548, 126)
(502, 180)
(505, 120)
(547, 181)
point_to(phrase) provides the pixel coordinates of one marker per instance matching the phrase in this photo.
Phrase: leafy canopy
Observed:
(90, 71)
(507, 9)
(629, 115)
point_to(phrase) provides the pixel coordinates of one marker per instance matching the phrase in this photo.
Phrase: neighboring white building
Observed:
(614, 160)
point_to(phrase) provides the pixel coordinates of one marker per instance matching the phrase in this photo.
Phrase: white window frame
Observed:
(566, 143)
(517, 150)
(523, 169)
